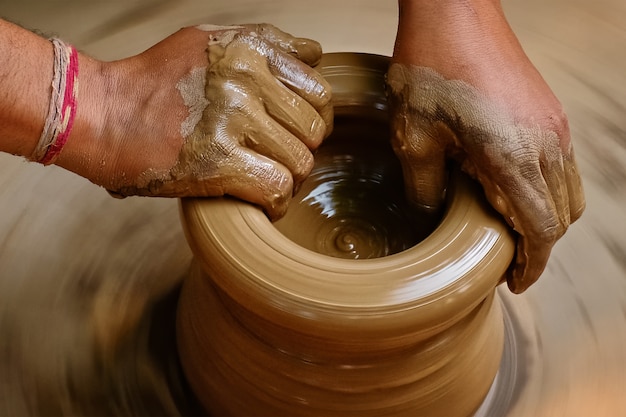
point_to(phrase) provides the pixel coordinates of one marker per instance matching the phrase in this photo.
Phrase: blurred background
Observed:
(88, 283)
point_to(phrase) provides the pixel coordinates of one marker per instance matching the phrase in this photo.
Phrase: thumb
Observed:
(423, 160)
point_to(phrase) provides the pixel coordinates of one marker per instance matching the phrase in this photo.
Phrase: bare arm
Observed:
(24, 88)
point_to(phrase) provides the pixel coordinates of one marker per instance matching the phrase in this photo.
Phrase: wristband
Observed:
(62, 108)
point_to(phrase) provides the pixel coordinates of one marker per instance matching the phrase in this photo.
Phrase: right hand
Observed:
(463, 88)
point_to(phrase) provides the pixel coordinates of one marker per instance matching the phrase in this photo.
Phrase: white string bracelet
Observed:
(62, 108)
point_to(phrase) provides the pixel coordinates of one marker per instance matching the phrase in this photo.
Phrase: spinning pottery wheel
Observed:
(350, 304)
(564, 345)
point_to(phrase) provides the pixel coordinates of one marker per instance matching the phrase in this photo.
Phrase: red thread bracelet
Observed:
(68, 109)
(63, 104)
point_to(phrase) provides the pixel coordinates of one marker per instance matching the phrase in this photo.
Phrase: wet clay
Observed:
(529, 174)
(242, 364)
(267, 326)
(252, 118)
(353, 203)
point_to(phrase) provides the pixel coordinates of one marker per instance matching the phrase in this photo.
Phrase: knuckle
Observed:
(265, 28)
(558, 122)
(276, 200)
(243, 68)
(552, 231)
(324, 93)
(302, 169)
(317, 132)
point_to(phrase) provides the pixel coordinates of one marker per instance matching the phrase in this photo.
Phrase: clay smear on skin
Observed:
(492, 147)
(241, 120)
(196, 145)
(526, 176)
(191, 89)
(217, 114)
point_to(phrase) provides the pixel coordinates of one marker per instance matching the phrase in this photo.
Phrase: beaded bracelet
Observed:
(62, 108)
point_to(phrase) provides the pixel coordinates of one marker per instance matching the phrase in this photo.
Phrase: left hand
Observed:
(211, 111)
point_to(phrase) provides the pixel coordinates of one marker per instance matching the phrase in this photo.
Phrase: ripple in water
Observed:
(353, 205)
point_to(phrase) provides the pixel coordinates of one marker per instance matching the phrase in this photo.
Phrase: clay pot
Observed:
(352, 304)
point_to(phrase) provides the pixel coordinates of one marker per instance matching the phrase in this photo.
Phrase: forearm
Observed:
(432, 31)
(25, 88)
(25, 76)
(431, 12)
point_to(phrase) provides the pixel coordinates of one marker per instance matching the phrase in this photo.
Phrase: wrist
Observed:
(450, 21)
(429, 9)
(25, 76)
(123, 128)
(452, 36)
(130, 114)
(82, 153)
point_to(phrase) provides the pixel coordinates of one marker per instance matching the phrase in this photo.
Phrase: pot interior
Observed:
(353, 204)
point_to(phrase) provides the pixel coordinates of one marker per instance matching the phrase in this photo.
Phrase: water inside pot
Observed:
(353, 204)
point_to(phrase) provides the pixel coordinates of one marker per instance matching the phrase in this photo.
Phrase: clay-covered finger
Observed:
(424, 178)
(304, 81)
(294, 114)
(552, 170)
(307, 50)
(553, 199)
(269, 138)
(419, 144)
(534, 216)
(422, 156)
(574, 186)
(530, 261)
(259, 180)
(524, 199)
(243, 174)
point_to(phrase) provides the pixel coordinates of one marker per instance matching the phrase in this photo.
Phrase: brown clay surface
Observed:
(82, 275)
(369, 313)
(293, 372)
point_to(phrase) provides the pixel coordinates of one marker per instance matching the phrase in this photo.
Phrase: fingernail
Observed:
(276, 207)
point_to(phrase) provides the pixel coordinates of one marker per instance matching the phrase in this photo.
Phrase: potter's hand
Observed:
(460, 86)
(252, 113)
